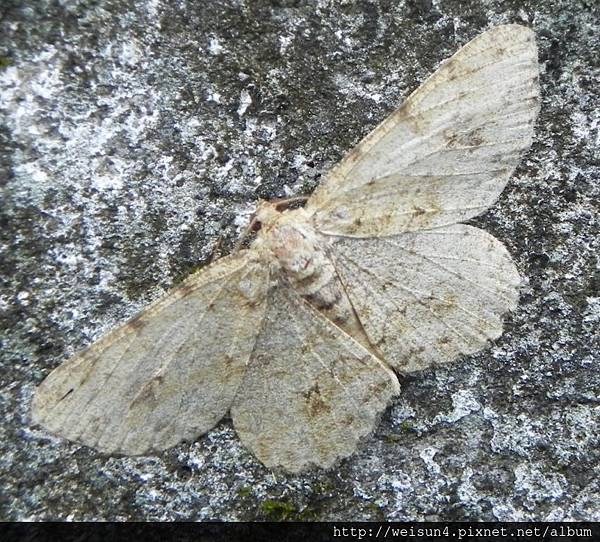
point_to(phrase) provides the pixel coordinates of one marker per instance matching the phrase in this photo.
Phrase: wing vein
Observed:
(122, 356)
(491, 293)
(393, 302)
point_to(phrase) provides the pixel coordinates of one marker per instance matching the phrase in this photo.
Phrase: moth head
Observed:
(266, 214)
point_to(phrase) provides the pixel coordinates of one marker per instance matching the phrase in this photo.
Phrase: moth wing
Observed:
(169, 374)
(447, 153)
(311, 391)
(425, 297)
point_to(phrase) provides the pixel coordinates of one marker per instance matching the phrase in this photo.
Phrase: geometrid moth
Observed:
(301, 335)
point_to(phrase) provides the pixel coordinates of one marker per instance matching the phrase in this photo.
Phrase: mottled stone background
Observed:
(136, 134)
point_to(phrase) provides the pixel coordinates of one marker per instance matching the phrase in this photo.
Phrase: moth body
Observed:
(289, 242)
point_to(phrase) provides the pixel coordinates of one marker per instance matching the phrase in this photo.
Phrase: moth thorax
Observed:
(294, 250)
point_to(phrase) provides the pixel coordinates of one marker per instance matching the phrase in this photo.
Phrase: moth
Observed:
(301, 336)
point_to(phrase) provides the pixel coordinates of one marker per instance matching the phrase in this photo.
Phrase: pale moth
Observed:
(301, 335)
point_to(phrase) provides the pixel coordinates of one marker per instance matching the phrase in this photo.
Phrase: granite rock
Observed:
(136, 139)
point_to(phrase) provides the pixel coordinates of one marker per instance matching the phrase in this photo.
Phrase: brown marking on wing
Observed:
(314, 402)
(378, 388)
(186, 288)
(474, 138)
(136, 323)
(147, 391)
(66, 395)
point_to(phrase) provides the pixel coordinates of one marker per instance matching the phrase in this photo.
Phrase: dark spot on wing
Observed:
(348, 420)
(66, 395)
(410, 118)
(314, 402)
(378, 388)
(136, 323)
(305, 348)
(251, 303)
(339, 320)
(474, 138)
(186, 288)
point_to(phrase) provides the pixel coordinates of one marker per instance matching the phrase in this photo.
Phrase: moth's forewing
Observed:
(447, 153)
(167, 375)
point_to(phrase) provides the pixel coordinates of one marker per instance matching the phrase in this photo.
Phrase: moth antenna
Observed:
(247, 231)
(216, 251)
(286, 202)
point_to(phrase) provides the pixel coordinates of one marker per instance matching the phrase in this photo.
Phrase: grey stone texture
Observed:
(136, 138)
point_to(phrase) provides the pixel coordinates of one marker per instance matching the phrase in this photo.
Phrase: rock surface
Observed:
(136, 139)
